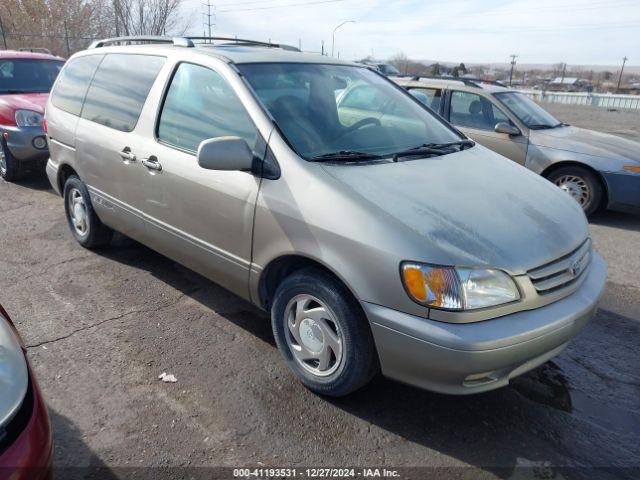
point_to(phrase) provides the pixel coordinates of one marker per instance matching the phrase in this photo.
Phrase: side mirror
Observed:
(504, 127)
(225, 153)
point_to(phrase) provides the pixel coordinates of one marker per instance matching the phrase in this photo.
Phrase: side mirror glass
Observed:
(507, 128)
(225, 153)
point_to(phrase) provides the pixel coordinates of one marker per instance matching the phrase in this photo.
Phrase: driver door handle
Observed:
(152, 163)
(127, 155)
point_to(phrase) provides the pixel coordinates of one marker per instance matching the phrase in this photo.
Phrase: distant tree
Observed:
(462, 69)
(406, 66)
(436, 69)
(66, 26)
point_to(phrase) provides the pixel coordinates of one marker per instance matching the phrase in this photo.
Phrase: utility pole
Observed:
(208, 23)
(66, 39)
(4, 37)
(513, 65)
(624, 60)
(564, 71)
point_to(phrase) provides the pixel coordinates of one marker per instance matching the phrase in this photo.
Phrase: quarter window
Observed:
(475, 111)
(119, 89)
(429, 96)
(73, 82)
(201, 105)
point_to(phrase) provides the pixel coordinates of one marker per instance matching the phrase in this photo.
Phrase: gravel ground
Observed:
(619, 122)
(101, 326)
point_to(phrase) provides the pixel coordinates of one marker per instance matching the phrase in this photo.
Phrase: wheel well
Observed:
(605, 192)
(279, 269)
(65, 172)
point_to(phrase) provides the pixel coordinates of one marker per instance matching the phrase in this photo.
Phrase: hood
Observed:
(24, 101)
(471, 208)
(587, 142)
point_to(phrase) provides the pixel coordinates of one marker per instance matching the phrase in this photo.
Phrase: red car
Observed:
(25, 81)
(26, 445)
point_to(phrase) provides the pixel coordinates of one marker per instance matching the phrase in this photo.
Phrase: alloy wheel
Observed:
(575, 186)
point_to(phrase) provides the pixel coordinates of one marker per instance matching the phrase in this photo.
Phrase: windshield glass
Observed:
(27, 75)
(324, 109)
(528, 111)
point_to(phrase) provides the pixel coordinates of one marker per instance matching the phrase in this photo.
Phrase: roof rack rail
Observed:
(244, 41)
(466, 81)
(178, 41)
(471, 82)
(186, 41)
(35, 50)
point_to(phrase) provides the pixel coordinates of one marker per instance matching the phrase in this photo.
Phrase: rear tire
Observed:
(323, 334)
(85, 225)
(581, 184)
(10, 168)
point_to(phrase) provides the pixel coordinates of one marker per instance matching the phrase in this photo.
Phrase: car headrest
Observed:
(475, 107)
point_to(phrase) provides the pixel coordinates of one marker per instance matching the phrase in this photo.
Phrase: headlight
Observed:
(28, 118)
(452, 288)
(14, 377)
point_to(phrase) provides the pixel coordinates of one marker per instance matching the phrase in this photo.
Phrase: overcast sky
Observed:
(584, 32)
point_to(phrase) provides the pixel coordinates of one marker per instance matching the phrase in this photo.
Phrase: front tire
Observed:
(10, 168)
(323, 334)
(581, 184)
(85, 225)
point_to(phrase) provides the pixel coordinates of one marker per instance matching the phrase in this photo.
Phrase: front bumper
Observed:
(30, 455)
(624, 190)
(464, 358)
(20, 143)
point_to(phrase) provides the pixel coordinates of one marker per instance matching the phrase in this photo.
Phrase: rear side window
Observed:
(120, 88)
(200, 105)
(73, 82)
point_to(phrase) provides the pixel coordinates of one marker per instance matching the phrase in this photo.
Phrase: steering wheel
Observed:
(359, 124)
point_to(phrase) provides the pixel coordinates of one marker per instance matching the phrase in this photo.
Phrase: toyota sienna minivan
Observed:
(377, 241)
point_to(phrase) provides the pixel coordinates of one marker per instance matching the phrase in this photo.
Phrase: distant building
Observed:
(569, 84)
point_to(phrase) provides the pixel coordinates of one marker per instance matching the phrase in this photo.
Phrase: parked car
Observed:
(375, 240)
(385, 69)
(25, 81)
(597, 169)
(25, 433)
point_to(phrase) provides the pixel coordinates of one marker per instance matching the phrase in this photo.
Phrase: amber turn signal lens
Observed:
(632, 168)
(414, 281)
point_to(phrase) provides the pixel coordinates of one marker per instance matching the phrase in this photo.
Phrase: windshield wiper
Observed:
(433, 149)
(542, 126)
(345, 155)
(461, 143)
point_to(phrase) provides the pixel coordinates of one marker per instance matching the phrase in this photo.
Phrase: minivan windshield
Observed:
(528, 111)
(19, 75)
(326, 110)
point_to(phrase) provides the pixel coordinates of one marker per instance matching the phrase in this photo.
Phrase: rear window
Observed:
(28, 75)
(73, 82)
(120, 88)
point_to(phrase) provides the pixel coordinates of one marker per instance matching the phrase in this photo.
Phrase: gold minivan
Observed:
(377, 235)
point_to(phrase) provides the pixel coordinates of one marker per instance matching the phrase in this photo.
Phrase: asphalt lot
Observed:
(101, 326)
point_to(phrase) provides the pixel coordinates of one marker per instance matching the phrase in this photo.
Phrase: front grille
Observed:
(563, 272)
